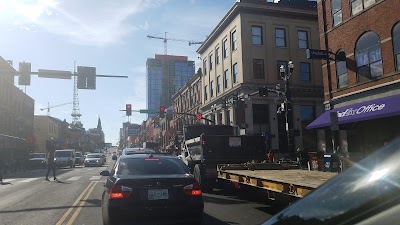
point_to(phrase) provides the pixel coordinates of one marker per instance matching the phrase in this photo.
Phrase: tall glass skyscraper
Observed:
(165, 75)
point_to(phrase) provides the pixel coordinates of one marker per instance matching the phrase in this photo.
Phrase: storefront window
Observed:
(369, 58)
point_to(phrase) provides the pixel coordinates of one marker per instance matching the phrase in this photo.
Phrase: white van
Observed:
(65, 158)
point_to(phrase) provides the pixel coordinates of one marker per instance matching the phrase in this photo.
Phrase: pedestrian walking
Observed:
(51, 166)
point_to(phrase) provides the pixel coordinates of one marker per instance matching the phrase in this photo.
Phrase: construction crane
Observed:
(53, 106)
(165, 39)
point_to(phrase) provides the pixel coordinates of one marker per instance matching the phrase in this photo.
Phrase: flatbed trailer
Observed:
(275, 178)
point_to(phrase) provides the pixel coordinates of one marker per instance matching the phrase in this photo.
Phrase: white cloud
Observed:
(145, 26)
(92, 22)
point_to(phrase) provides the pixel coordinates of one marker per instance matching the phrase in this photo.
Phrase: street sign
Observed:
(317, 54)
(133, 131)
(58, 74)
(334, 121)
(150, 111)
(86, 77)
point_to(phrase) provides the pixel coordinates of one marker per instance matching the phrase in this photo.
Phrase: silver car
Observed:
(94, 159)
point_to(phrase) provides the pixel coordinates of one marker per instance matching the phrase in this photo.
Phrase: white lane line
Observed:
(29, 180)
(95, 178)
(74, 178)
(8, 180)
(90, 169)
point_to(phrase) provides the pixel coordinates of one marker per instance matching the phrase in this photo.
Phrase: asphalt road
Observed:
(28, 199)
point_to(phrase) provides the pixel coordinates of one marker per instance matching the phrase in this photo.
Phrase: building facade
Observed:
(48, 128)
(244, 52)
(188, 100)
(165, 75)
(16, 115)
(362, 82)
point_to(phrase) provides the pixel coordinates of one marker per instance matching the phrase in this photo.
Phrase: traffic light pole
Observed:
(289, 116)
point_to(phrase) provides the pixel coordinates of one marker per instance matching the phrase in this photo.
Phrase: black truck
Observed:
(205, 146)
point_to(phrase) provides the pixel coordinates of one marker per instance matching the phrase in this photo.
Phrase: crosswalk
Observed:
(60, 178)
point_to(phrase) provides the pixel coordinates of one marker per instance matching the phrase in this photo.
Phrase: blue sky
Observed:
(108, 35)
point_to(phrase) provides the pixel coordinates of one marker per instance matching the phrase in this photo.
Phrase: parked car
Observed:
(367, 193)
(65, 158)
(143, 188)
(93, 159)
(79, 159)
(37, 160)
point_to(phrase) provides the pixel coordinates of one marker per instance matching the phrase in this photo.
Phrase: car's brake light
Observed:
(120, 192)
(193, 189)
(151, 159)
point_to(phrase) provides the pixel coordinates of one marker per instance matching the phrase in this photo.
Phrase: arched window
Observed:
(396, 44)
(341, 69)
(369, 58)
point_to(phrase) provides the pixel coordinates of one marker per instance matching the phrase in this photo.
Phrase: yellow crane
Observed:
(165, 39)
(53, 106)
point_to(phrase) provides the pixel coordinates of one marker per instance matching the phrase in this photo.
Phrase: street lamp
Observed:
(288, 106)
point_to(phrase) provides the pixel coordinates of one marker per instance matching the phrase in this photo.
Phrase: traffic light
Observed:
(24, 73)
(128, 109)
(162, 112)
(199, 116)
(263, 92)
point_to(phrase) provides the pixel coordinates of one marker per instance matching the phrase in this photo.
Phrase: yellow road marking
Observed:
(78, 210)
(61, 221)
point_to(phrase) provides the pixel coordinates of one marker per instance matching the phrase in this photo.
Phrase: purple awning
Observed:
(378, 108)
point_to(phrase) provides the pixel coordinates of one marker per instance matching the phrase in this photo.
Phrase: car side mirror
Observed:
(105, 173)
(114, 157)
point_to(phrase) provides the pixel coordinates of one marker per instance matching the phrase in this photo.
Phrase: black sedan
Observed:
(151, 189)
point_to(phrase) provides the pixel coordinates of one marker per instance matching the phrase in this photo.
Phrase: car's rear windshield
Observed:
(151, 166)
(37, 155)
(78, 154)
(93, 156)
(63, 154)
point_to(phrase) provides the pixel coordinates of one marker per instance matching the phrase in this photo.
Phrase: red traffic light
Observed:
(199, 116)
(128, 109)
(162, 109)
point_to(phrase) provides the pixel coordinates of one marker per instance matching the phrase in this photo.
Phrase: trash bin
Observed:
(321, 160)
(331, 163)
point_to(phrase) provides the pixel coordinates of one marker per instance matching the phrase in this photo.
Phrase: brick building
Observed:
(16, 115)
(362, 81)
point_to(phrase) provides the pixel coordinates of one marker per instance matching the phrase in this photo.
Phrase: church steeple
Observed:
(99, 124)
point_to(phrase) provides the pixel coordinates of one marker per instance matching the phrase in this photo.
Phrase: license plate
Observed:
(158, 194)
